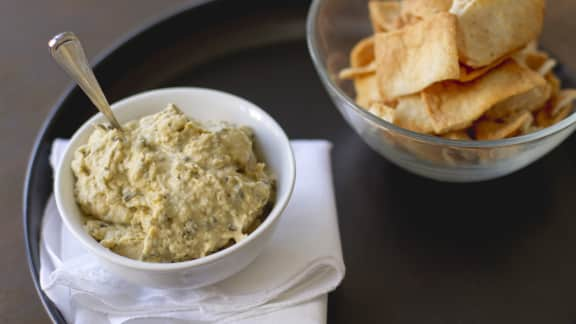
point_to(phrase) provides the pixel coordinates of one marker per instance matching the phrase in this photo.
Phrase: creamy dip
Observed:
(168, 189)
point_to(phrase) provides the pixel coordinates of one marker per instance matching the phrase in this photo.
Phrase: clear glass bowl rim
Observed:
(332, 87)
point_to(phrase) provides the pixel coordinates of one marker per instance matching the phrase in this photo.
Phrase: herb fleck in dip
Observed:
(169, 189)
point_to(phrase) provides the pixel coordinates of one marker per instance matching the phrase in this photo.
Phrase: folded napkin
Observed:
(287, 283)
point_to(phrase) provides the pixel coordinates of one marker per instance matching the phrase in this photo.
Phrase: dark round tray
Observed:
(416, 250)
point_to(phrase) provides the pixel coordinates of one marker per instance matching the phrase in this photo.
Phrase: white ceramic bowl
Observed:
(202, 105)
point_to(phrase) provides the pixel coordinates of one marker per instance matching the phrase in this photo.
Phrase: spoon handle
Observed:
(67, 50)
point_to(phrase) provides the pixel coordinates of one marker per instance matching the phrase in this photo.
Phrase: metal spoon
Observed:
(68, 52)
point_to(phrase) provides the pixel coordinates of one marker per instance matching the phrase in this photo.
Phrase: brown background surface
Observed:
(30, 83)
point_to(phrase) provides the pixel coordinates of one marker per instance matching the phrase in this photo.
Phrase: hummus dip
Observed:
(168, 189)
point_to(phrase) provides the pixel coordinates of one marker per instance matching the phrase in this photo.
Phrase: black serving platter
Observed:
(416, 250)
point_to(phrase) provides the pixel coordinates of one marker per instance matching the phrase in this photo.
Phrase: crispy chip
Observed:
(361, 60)
(459, 69)
(545, 119)
(411, 59)
(565, 98)
(531, 129)
(468, 74)
(562, 113)
(558, 108)
(454, 105)
(383, 111)
(353, 72)
(531, 100)
(424, 8)
(385, 15)
(499, 129)
(547, 67)
(411, 114)
(490, 29)
(363, 53)
(366, 90)
(555, 85)
(531, 47)
(460, 135)
(409, 20)
(535, 60)
(528, 126)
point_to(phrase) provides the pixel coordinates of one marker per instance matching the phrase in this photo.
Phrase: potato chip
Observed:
(363, 53)
(366, 90)
(530, 56)
(528, 126)
(459, 69)
(353, 72)
(463, 157)
(555, 85)
(490, 29)
(411, 114)
(531, 47)
(420, 150)
(383, 111)
(424, 8)
(385, 15)
(543, 118)
(535, 60)
(531, 100)
(468, 74)
(461, 135)
(557, 109)
(453, 105)
(562, 113)
(411, 59)
(547, 67)
(531, 129)
(565, 98)
(361, 60)
(498, 129)
(409, 20)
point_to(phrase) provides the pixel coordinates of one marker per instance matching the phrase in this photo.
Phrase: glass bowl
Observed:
(335, 26)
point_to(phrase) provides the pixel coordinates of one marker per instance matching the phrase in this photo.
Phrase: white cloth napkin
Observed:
(287, 283)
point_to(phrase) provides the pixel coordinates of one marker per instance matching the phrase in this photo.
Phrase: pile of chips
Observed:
(458, 69)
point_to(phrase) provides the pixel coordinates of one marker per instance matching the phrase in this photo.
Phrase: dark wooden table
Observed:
(30, 83)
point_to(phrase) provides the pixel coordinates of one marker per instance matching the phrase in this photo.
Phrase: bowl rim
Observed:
(94, 247)
(332, 88)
